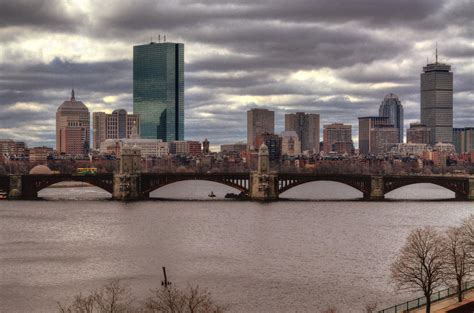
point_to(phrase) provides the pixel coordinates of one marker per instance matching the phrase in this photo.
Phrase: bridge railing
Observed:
(421, 301)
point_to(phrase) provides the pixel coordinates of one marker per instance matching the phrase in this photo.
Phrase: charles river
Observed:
(286, 256)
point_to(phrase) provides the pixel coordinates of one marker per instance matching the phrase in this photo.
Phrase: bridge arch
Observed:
(459, 187)
(361, 183)
(152, 182)
(32, 184)
(421, 191)
(321, 188)
(194, 189)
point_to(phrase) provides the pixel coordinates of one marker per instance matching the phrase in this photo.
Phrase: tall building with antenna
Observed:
(436, 97)
(158, 90)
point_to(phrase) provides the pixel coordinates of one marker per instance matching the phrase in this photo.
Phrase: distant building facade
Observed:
(149, 148)
(407, 149)
(158, 90)
(418, 133)
(205, 147)
(273, 143)
(234, 148)
(393, 109)
(290, 143)
(437, 101)
(383, 138)
(365, 125)
(12, 148)
(40, 154)
(463, 139)
(259, 121)
(337, 137)
(117, 125)
(306, 127)
(72, 127)
(185, 148)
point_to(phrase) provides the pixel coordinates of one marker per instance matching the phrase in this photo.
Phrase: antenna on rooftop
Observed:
(164, 39)
(159, 38)
(436, 52)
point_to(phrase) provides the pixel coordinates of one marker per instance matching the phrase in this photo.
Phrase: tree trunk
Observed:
(428, 304)
(460, 292)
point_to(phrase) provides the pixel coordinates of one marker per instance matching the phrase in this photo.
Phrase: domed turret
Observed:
(40, 170)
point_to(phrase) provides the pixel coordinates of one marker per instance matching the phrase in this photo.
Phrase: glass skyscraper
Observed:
(158, 90)
(392, 108)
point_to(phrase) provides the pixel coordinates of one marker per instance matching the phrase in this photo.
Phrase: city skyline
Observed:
(225, 78)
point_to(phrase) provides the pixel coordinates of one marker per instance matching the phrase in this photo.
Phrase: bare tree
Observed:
(173, 300)
(370, 307)
(111, 298)
(420, 266)
(456, 258)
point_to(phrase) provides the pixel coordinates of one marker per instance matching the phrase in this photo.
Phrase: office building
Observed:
(273, 143)
(205, 147)
(463, 139)
(418, 133)
(365, 125)
(393, 109)
(158, 90)
(149, 148)
(290, 143)
(72, 127)
(437, 101)
(383, 138)
(117, 125)
(237, 147)
(12, 149)
(259, 121)
(40, 154)
(337, 137)
(185, 148)
(306, 127)
(409, 149)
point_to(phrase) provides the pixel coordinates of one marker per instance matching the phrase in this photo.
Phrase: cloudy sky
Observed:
(335, 58)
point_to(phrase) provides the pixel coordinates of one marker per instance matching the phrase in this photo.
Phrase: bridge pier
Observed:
(376, 189)
(263, 183)
(470, 195)
(263, 187)
(126, 187)
(16, 188)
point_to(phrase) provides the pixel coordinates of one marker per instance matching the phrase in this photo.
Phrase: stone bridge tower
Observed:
(127, 181)
(263, 182)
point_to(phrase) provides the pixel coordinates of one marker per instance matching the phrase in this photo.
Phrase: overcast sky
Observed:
(335, 58)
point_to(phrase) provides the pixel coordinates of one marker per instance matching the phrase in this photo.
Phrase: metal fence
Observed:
(419, 302)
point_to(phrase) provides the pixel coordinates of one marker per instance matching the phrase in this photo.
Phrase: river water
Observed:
(286, 256)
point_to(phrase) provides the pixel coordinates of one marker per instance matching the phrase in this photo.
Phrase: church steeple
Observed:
(72, 95)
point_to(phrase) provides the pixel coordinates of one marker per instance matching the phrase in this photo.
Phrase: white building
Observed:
(290, 143)
(149, 147)
(410, 149)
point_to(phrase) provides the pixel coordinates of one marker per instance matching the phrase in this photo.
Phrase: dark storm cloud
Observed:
(240, 54)
(50, 14)
(28, 82)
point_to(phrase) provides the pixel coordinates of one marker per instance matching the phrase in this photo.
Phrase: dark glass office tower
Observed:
(158, 90)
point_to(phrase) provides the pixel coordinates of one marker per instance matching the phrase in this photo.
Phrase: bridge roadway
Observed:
(135, 187)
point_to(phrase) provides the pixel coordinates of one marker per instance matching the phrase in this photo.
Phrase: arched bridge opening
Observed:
(396, 186)
(73, 190)
(322, 190)
(287, 182)
(239, 183)
(32, 184)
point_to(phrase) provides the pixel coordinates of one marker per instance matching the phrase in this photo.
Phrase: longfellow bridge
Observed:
(270, 186)
(263, 184)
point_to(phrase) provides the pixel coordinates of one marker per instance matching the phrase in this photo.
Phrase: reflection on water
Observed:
(287, 256)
